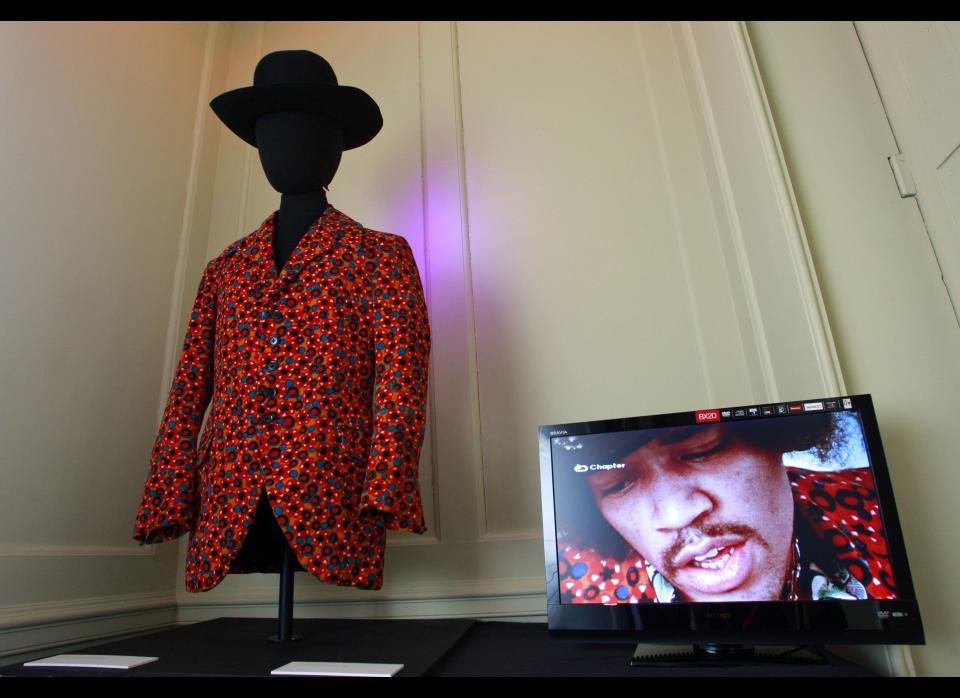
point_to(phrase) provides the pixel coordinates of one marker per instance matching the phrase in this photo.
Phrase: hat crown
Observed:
(293, 67)
(298, 80)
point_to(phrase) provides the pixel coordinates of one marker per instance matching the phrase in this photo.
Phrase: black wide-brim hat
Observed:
(298, 80)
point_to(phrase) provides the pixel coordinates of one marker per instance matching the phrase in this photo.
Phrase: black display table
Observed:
(456, 647)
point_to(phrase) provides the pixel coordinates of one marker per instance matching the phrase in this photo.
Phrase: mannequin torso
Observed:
(300, 152)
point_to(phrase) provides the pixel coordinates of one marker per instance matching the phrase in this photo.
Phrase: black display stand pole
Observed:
(285, 610)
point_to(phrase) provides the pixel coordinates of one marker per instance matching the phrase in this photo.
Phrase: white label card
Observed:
(93, 661)
(337, 669)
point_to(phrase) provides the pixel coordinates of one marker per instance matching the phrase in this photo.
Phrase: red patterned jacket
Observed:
(841, 511)
(317, 380)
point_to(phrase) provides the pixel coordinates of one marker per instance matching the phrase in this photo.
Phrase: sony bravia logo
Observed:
(558, 433)
(581, 468)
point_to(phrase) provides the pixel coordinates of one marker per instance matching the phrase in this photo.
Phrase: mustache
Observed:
(692, 534)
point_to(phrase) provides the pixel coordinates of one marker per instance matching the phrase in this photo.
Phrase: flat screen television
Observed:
(750, 525)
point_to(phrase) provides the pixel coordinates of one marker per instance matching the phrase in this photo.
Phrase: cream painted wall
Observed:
(624, 247)
(892, 322)
(459, 169)
(570, 247)
(101, 251)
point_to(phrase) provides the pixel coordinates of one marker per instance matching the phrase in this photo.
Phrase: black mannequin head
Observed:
(300, 151)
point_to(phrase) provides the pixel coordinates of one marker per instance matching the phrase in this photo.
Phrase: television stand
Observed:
(721, 655)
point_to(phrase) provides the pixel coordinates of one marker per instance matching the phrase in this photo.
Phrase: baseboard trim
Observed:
(27, 628)
(529, 607)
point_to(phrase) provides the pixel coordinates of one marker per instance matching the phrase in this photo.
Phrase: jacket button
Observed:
(273, 341)
(277, 315)
(268, 417)
(271, 365)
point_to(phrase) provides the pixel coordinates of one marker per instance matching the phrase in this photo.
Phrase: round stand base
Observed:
(277, 638)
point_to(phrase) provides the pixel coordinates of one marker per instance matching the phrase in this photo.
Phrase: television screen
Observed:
(776, 507)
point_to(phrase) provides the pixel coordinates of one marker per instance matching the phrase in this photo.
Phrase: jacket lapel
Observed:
(313, 246)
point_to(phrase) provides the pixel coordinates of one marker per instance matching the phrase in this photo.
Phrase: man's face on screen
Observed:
(711, 512)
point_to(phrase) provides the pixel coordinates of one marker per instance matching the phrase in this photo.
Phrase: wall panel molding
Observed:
(24, 550)
(459, 490)
(782, 308)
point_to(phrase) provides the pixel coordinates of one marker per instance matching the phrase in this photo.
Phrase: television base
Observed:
(715, 655)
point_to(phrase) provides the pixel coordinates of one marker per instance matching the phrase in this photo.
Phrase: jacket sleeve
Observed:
(168, 507)
(401, 337)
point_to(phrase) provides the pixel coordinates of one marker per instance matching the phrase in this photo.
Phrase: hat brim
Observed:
(351, 107)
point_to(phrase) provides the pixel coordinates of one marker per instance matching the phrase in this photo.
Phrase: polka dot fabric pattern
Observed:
(586, 576)
(844, 511)
(316, 379)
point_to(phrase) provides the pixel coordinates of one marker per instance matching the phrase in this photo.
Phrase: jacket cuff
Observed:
(392, 513)
(146, 535)
(163, 517)
(392, 519)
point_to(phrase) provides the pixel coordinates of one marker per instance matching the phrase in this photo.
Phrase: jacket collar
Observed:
(316, 242)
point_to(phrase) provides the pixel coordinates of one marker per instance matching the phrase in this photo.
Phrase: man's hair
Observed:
(583, 524)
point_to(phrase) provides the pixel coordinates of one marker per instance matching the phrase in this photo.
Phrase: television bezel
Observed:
(868, 621)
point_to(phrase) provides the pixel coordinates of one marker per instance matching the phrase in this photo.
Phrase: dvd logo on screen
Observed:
(581, 468)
